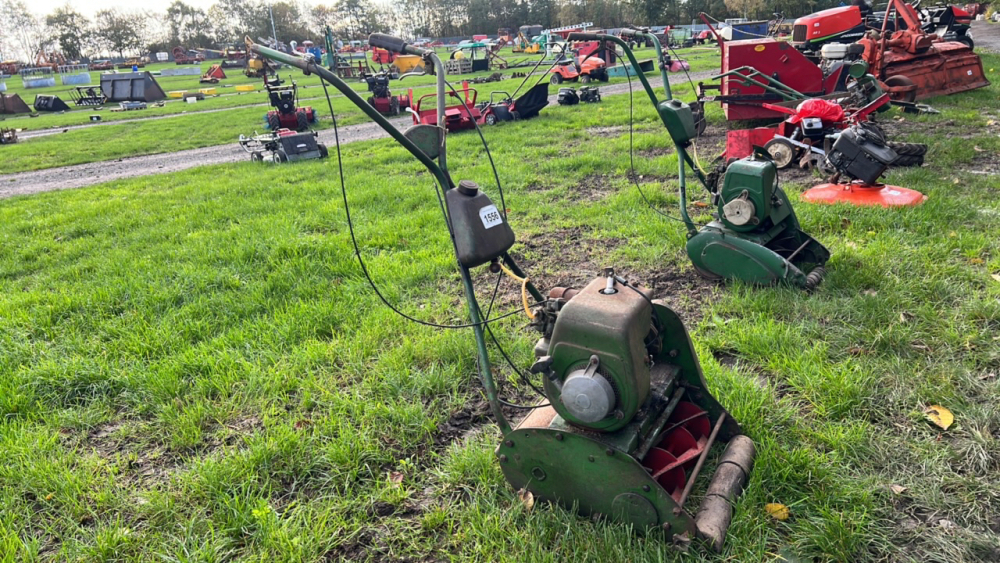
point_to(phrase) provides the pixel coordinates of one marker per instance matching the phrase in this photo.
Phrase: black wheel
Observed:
(700, 123)
(279, 156)
(900, 81)
(782, 152)
(965, 39)
(394, 105)
(323, 151)
(556, 79)
(273, 121)
(491, 119)
(301, 120)
(908, 160)
(604, 76)
(584, 79)
(255, 156)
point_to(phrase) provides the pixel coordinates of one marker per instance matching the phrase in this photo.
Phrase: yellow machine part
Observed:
(207, 91)
(406, 63)
(246, 88)
(176, 94)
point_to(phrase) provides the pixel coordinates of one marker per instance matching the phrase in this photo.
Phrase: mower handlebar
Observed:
(394, 44)
(581, 36)
(629, 32)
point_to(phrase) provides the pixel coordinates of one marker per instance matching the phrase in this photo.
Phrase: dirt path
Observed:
(986, 36)
(81, 175)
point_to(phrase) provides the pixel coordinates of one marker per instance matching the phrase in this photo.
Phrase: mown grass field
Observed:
(194, 368)
(216, 120)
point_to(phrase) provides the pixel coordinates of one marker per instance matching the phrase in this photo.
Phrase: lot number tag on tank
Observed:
(490, 216)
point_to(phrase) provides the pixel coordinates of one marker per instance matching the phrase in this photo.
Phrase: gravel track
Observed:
(81, 175)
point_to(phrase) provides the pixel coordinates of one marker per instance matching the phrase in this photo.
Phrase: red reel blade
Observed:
(665, 468)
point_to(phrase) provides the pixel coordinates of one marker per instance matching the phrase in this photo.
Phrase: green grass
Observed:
(192, 127)
(194, 368)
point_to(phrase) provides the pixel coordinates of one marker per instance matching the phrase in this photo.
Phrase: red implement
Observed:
(857, 193)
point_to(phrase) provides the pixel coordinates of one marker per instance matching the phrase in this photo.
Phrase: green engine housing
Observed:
(604, 332)
(747, 198)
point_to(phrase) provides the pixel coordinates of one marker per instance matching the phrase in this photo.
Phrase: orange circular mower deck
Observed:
(857, 193)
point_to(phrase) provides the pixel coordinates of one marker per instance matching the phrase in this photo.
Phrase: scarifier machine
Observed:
(756, 236)
(630, 424)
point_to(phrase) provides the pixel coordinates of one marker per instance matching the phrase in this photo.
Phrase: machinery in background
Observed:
(213, 75)
(49, 103)
(184, 57)
(283, 145)
(89, 96)
(756, 237)
(913, 63)
(382, 99)
(464, 115)
(7, 136)
(592, 68)
(629, 423)
(286, 113)
(861, 153)
(509, 109)
(571, 97)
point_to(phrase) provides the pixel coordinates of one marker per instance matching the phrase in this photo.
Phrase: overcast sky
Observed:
(89, 7)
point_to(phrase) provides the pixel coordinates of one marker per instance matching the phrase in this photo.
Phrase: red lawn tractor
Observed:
(382, 99)
(286, 114)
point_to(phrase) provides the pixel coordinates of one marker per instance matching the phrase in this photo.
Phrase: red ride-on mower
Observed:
(286, 114)
(508, 109)
(591, 68)
(456, 118)
(284, 145)
(382, 99)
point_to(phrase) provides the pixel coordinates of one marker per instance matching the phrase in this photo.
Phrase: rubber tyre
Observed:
(273, 121)
(255, 156)
(900, 80)
(323, 151)
(394, 105)
(490, 119)
(966, 40)
(301, 121)
(904, 160)
(782, 152)
(556, 79)
(279, 156)
(584, 79)
(908, 149)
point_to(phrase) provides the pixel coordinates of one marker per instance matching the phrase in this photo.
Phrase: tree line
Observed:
(121, 32)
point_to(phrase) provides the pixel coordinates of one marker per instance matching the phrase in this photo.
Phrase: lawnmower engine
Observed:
(630, 422)
(285, 114)
(382, 99)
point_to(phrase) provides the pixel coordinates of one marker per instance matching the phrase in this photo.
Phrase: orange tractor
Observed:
(591, 68)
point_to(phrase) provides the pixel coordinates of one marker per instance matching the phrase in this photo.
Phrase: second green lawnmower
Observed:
(755, 236)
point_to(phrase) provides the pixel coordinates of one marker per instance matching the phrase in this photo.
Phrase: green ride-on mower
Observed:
(755, 236)
(629, 423)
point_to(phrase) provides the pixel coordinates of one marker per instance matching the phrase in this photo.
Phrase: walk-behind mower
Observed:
(756, 236)
(382, 99)
(284, 100)
(284, 145)
(629, 423)
(509, 109)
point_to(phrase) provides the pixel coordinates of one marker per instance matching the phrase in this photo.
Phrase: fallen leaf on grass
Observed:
(777, 511)
(940, 416)
(991, 122)
(977, 149)
(996, 277)
(527, 499)
(396, 478)
(898, 489)
(50, 496)
(700, 204)
(975, 260)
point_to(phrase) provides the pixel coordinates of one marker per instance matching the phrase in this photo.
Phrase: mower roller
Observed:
(756, 236)
(629, 422)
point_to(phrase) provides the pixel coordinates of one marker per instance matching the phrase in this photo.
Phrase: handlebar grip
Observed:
(387, 42)
(581, 36)
(629, 32)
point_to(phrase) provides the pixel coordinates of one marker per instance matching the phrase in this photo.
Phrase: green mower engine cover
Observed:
(597, 374)
(757, 237)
